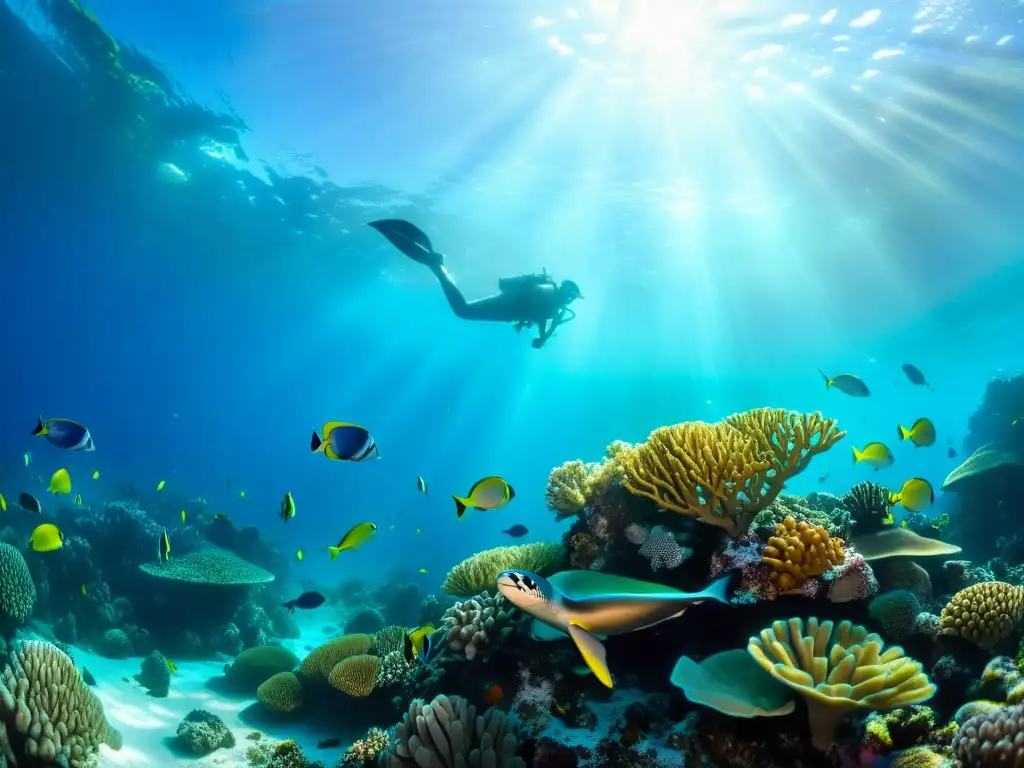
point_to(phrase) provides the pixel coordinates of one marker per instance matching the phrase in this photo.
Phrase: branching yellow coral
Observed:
(725, 473)
(798, 551)
(566, 494)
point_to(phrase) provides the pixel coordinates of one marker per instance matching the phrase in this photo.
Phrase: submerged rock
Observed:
(155, 676)
(202, 732)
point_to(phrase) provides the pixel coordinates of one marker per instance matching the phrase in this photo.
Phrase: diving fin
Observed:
(410, 240)
(593, 653)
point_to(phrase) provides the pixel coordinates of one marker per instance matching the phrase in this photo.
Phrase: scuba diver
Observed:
(525, 301)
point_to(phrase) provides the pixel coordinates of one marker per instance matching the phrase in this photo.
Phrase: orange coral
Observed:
(798, 551)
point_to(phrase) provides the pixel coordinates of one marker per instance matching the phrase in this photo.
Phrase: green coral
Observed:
(897, 612)
(835, 521)
(254, 666)
(17, 590)
(209, 566)
(281, 693)
(202, 732)
(480, 572)
(115, 644)
(898, 729)
(321, 660)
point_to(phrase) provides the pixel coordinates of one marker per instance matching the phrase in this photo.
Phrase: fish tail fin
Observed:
(290, 605)
(857, 455)
(315, 442)
(717, 590)
(40, 427)
(902, 433)
(335, 551)
(828, 381)
(407, 649)
(461, 505)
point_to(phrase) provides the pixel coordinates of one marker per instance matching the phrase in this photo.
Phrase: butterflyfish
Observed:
(921, 434)
(847, 383)
(164, 548)
(589, 605)
(916, 495)
(60, 482)
(29, 502)
(287, 507)
(873, 454)
(417, 644)
(342, 441)
(355, 538)
(489, 493)
(64, 433)
(96, 475)
(46, 538)
(421, 485)
(160, 485)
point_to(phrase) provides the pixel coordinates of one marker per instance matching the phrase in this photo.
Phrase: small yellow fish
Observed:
(96, 475)
(418, 530)
(164, 548)
(28, 458)
(171, 666)
(78, 499)
(287, 507)
(184, 517)
(60, 482)
(299, 554)
(415, 641)
(355, 538)
(486, 494)
(84, 590)
(916, 495)
(160, 485)
(921, 434)
(241, 494)
(423, 570)
(3, 503)
(46, 538)
(874, 454)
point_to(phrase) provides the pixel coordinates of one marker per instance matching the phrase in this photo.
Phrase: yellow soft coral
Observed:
(725, 473)
(984, 613)
(356, 675)
(837, 669)
(566, 494)
(798, 551)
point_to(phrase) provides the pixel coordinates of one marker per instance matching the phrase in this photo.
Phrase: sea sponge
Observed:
(897, 612)
(255, 665)
(479, 572)
(566, 493)
(17, 590)
(281, 693)
(48, 712)
(202, 732)
(321, 660)
(356, 675)
(837, 669)
(388, 640)
(798, 551)
(984, 613)
(209, 566)
(996, 738)
(447, 733)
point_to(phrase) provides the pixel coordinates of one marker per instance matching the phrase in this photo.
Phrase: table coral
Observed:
(798, 551)
(837, 669)
(985, 613)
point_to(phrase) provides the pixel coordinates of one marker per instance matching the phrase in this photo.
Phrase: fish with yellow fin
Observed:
(423, 570)
(160, 485)
(418, 646)
(875, 455)
(421, 485)
(299, 554)
(60, 482)
(489, 493)
(916, 495)
(355, 538)
(921, 433)
(342, 441)
(847, 383)
(3, 503)
(287, 507)
(241, 494)
(64, 433)
(28, 458)
(96, 475)
(84, 591)
(184, 517)
(46, 538)
(163, 550)
(171, 666)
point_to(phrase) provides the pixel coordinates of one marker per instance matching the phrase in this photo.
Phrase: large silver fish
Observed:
(588, 606)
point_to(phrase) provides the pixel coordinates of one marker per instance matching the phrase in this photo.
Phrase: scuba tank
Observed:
(520, 282)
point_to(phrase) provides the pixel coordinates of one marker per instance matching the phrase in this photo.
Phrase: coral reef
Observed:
(798, 551)
(17, 590)
(474, 623)
(209, 566)
(281, 692)
(253, 666)
(869, 507)
(155, 675)
(356, 675)
(985, 613)
(202, 732)
(478, 573)
(365, 752)
(321, 660)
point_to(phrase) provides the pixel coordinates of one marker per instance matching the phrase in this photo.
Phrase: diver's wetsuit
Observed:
(525, 300)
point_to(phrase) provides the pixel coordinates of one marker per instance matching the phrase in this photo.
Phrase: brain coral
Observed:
(255, 665)
(480, 572)
(281, 693)
(447, 733)
(209, 566)
(897, 612)
(322, 659)
(17, 590)
(984, 613)
(47, 712)
(356, 675)
(798, 551)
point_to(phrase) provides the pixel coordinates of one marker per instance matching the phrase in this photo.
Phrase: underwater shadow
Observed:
(171, 744)
(223, 686)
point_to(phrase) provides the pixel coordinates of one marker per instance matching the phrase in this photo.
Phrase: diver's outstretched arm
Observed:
(544, 331)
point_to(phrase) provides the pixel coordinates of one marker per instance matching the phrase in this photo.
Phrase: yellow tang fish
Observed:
(299, 554)
(355, 538)
(916, 495)
(184, 517)
(96, 475)
(60, 482)
(3, 503)
(874, 454)
(164, 548)
(489, 493)
(160, 485)
(78, 499)
(46, 538)
(921, 434)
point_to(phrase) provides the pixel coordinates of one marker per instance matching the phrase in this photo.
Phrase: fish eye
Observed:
(529, 584)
